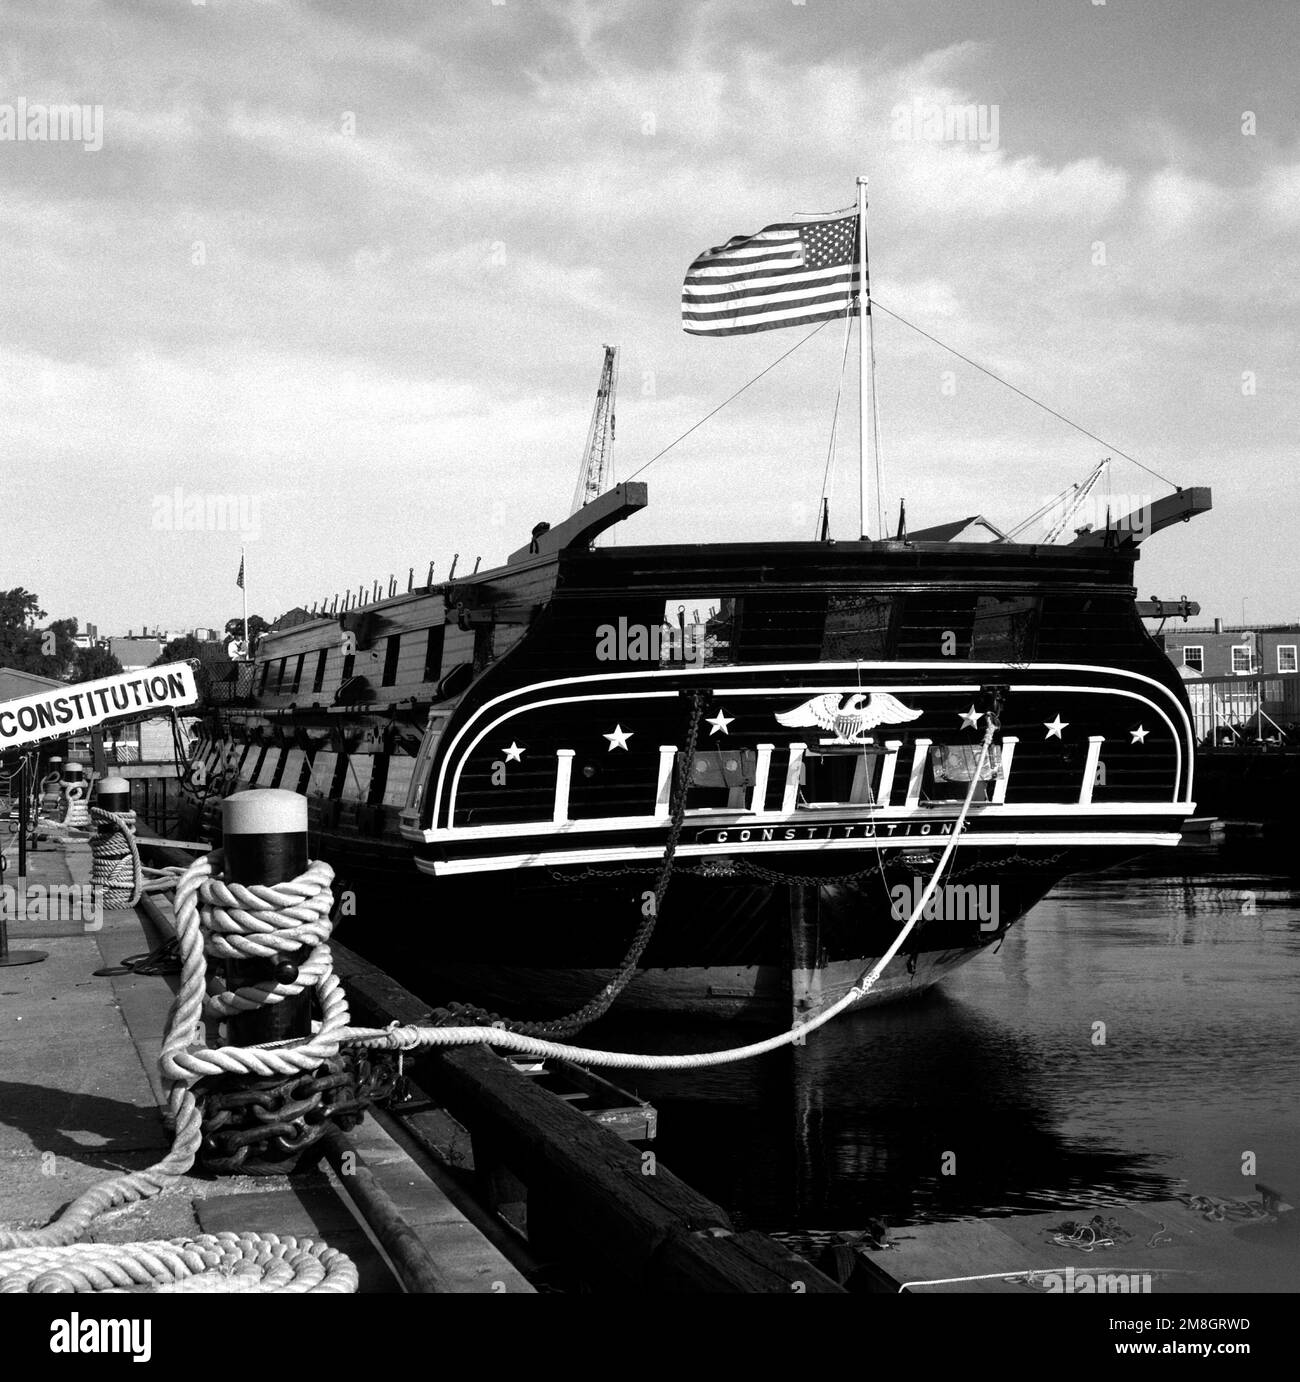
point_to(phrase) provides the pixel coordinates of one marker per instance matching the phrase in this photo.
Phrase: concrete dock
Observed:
(80, 1101)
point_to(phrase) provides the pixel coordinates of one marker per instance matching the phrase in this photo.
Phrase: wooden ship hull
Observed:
(491, 759)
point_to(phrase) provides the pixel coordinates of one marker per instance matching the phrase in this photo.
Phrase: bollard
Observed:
(113, 794)
(264, 833)
(11, 958)
(75, 788)
(114, 862)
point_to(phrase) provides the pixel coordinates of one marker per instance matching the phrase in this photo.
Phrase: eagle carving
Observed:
(848, 716)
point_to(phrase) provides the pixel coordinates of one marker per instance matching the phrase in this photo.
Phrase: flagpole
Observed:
(862, 351)
(243, 571)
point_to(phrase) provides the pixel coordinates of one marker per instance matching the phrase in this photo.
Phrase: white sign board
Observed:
(75, 709)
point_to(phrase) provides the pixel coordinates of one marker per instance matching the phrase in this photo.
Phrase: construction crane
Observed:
(1072, 503)
(594, 472)
(1072, 498)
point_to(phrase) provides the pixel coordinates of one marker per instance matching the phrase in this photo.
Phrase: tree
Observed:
(28, 648)
(257, 626)
(92, 663)
(187, 646)
(212, 659)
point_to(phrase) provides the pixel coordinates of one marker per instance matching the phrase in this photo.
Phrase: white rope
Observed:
(276, 918)
(228, 920)
(410, 1038)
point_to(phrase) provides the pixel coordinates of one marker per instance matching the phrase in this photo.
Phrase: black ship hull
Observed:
(497, 767)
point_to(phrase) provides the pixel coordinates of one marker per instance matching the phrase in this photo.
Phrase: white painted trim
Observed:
(715, 676)
(1013, 839)
(722, 818)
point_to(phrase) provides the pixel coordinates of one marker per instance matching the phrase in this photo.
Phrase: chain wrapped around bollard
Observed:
(262, 1127)
(267, 926)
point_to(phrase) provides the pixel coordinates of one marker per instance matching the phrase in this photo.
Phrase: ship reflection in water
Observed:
(1191, 960)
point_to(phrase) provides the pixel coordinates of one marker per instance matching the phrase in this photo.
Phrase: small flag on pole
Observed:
(791, 274)
(239, 580)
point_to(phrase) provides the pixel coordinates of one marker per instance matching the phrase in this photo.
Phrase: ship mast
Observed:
(863, 309)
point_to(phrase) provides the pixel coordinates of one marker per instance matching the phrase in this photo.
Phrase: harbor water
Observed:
(1137, 1036)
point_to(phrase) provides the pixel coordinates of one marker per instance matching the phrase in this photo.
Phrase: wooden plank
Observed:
(626, 1219)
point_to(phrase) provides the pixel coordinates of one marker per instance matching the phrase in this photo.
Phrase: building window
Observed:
(1286, 660)
(1194, 657)
(1241, 659)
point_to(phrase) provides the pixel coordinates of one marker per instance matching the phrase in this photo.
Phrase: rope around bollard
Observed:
(234, 919)
(117, 873)
(230, 920)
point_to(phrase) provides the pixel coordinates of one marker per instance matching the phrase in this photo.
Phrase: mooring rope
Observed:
(233, 921)
(409, 1038)
(223, 919)
(116, 872)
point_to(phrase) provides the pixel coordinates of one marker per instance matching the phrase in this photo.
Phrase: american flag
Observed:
(800, 271)
(239, 580)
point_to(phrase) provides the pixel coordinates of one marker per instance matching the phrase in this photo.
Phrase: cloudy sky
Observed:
(353, 265)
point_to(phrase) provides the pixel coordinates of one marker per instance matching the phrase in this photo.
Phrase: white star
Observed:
(1054, 727)
(619, 738)
(514, 753)
(1139, 735)
(719, 722)
(970, 718)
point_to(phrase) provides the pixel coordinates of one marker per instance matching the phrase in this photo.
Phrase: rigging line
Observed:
(1069, 422)
(801, 341)
(875, 414)
(835, 417)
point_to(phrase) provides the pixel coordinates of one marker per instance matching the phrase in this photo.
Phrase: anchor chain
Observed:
(262, 1127)
(465, 1015)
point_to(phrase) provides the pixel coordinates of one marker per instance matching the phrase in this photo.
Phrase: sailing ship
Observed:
(766, 744)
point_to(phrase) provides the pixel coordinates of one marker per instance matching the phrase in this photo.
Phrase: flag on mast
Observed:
(239, 580)
(790, 274)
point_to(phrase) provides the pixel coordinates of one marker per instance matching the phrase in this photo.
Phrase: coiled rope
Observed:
(116, 872)
(223, 919)
(227, 920)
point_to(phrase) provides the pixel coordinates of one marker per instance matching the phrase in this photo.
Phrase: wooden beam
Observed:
(1135, 527)
(588, 523)
(621, 1225)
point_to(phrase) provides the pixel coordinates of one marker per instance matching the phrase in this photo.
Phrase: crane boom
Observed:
(1073, 502)
(593, 474)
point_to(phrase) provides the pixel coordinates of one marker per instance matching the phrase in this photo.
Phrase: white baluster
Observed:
(1009, 742)
(887, 769)
(563, 775)
(793, 772)
(920, 749)
(1095, 741)
(664, 788)
(758, 800)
